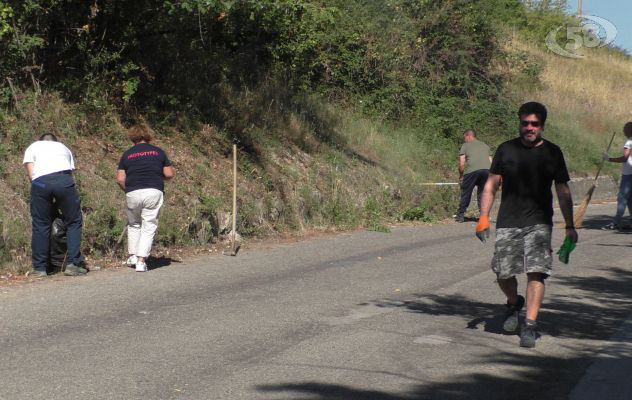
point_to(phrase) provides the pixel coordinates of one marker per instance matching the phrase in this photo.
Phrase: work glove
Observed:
(605, 156)
(482, 228)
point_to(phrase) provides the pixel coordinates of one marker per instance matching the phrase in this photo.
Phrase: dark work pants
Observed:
(473, 179)
(59, 187)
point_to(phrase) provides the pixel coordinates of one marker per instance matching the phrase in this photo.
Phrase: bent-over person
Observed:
(49, 165)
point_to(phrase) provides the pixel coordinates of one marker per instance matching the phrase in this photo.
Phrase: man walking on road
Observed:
(526, 166)
(474, 162)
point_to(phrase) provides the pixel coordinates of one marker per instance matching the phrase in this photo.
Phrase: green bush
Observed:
(272, 76)
(373, 216)
(419, 60)
(421, 213)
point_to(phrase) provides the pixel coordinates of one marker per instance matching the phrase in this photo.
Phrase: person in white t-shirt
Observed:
(624, 197)
(49, 165)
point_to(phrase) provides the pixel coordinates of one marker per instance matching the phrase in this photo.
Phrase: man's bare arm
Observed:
(120, 178)
(565, 201)
(489, 193)
(461, 166)
(167, 172)
(29, 170)
(623, 158)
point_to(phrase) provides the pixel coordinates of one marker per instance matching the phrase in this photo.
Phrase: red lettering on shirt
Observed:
(143, 154)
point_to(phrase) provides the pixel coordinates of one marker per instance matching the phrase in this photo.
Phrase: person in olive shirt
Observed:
(474, 161)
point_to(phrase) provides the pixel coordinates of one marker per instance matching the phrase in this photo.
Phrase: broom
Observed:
(234, 248)
(581, 210)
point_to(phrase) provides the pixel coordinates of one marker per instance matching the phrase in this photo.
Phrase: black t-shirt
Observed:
(143, 164)
(528, 173)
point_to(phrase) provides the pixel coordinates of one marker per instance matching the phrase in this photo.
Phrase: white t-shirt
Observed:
(48, 157)
(627, 166)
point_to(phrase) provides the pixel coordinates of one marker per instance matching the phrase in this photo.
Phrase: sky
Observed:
(618, 12)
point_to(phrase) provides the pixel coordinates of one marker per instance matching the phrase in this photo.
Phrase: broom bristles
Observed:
(581, 210)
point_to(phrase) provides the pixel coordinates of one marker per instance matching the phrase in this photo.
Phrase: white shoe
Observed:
(141, 267)
(131, 261)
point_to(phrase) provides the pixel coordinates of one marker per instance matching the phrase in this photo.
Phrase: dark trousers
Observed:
(60, 189)
(473, 179)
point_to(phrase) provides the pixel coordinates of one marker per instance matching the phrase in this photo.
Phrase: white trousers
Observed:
(143, 211)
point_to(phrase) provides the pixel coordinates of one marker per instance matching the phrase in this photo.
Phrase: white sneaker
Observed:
(131, 261)
(141, 267)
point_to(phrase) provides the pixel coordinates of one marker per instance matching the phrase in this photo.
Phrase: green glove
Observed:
(565, 251)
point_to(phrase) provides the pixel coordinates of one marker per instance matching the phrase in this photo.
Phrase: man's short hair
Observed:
(469, 131)
(533, 107)
(48, 136)
(627, 127)
(138, 133)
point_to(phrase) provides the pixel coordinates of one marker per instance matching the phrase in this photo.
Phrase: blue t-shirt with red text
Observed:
(143, 164)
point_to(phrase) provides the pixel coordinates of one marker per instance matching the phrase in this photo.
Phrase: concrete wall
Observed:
(606, 190)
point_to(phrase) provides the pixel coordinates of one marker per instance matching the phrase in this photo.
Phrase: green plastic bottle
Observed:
(565, 251)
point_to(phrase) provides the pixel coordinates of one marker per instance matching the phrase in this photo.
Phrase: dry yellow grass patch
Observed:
(593, 91)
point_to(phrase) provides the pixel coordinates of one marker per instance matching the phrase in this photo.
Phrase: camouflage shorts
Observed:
(522, 250)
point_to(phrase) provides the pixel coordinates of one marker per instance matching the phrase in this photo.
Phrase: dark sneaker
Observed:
(527, 336)
(511, 315)
(82, 264)
(610, 227)
(459, 218)
(36, 273)
(73, 270)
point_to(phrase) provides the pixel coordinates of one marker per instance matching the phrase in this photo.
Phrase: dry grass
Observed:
(316, 168)
(304, 165)
(588, 100)
(595, 90)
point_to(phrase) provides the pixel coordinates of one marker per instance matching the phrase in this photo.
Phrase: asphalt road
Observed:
(410, 314)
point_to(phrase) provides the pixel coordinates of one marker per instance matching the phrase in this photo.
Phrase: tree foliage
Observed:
(423, 60)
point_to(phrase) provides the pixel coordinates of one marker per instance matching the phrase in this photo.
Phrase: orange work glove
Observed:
(482, 228)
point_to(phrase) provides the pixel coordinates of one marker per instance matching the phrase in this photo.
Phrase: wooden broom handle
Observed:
(234, 192)
(603, 161)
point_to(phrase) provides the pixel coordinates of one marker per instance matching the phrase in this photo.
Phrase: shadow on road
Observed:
(530, 378)
(596, 222)
(159, 262)
(526, 377)
(593, 310)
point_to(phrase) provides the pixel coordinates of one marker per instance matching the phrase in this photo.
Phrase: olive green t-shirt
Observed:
(476, 156)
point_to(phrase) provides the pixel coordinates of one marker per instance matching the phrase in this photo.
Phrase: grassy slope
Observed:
(588, 100)
(297, 181)
(321, 169)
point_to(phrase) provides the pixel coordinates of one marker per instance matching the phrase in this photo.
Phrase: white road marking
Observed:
(433, 340)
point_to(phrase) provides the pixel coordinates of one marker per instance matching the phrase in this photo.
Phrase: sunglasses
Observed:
(535, 124)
